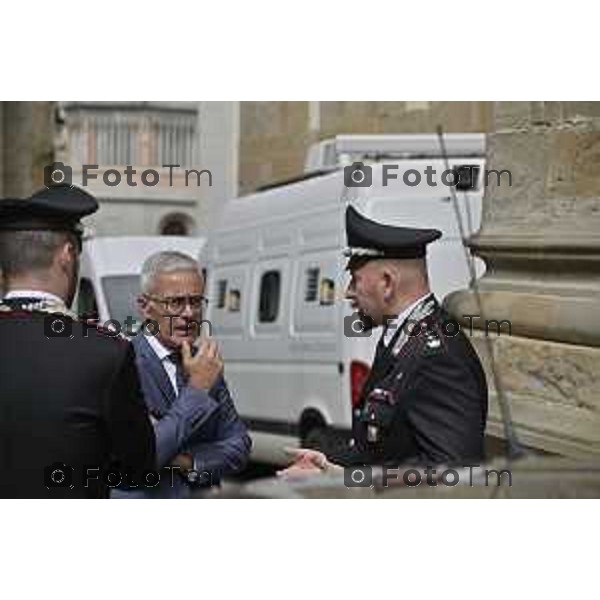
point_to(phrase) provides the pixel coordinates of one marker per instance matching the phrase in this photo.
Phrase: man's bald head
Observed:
(385, 286)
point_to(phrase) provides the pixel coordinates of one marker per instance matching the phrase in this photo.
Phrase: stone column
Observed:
(218, 151)
(27, 140)
(540, 239)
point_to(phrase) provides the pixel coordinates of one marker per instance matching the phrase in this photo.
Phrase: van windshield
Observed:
(121, 292)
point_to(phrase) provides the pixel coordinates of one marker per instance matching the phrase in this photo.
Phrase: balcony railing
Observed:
(115, 135)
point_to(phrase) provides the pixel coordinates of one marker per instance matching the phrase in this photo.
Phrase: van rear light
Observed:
(359, 372)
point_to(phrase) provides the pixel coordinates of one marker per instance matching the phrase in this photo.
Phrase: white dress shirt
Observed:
(163, 354)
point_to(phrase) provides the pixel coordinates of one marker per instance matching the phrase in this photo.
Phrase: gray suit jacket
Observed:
(204, 424)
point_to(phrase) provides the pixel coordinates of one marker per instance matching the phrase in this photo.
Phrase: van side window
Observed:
(234, 301)
(270, 287)
(311, 290)
(326, 292)
(86, 299)
(221, 293)
(468, 177)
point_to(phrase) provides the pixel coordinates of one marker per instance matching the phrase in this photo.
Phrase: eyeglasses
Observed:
(177, 304)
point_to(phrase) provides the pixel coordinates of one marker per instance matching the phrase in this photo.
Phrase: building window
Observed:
(221, 293)
(326, 292)
(234, 301)
(115, 140)
(121, 133)
(176, 136)
(270, 288)
(311, 290)
(176, 224)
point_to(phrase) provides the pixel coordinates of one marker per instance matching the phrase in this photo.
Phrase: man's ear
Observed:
(64, 257)
(389, 281)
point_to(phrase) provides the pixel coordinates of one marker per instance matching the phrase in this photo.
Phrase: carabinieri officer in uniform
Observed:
(70, 397)
(425, 400)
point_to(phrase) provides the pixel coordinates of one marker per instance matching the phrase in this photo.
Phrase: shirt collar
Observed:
(161, 351)
(392, 326)
(37, 294)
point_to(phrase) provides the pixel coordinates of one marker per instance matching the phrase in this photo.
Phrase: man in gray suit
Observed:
(198, 431)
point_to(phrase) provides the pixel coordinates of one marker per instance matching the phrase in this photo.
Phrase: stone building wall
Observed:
(274, 136)
(540, 239)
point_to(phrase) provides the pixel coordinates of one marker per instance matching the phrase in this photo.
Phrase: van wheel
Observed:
(316, 439)
(328, 441)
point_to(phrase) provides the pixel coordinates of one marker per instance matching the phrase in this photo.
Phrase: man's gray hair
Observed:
(167, 261)
(24, 252)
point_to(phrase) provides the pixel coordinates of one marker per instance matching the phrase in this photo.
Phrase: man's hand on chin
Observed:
(184, 461)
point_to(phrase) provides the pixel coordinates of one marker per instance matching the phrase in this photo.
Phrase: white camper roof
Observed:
(345, 149)
(312, 208)
(325, 192)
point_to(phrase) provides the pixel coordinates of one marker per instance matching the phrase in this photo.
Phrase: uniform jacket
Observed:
(71, 398)
(425, 401)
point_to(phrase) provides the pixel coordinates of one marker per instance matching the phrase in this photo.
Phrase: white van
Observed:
(276, 282)
(110, 272)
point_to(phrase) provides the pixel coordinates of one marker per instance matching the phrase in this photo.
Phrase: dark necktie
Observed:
(180, 376)
(378, 360)
(380, 350)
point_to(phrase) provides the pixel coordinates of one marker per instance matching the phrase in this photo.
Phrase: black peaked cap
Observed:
(370, 239)
(59, 207)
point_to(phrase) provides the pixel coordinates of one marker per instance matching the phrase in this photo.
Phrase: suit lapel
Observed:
(158, 388)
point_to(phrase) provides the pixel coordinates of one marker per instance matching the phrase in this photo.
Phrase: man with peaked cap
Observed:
(70, 397)
(425, 400)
